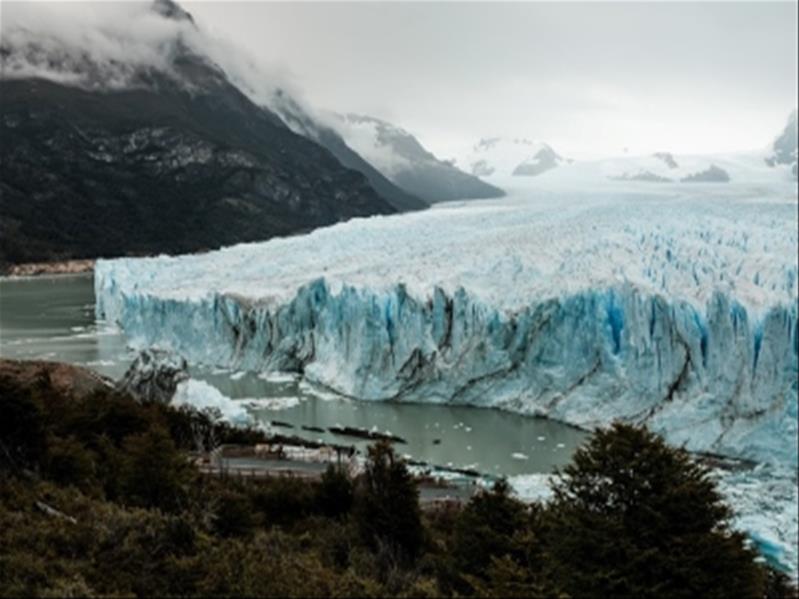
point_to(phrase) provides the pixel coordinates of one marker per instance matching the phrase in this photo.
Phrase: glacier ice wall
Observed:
(711, 379)
(586, 313)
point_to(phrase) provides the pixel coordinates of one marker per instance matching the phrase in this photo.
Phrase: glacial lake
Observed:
(52, 318)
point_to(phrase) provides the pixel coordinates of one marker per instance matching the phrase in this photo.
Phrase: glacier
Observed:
(671, 308)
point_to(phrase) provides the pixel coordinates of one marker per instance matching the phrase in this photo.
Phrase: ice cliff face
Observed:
(677, 312)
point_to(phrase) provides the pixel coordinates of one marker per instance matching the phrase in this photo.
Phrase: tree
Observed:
(233, 514)
(334, 494)
(153, 473)
(387, 509)
(633, 517)
(69, 462)
(22, 434)
(485, 528)
(496, 547)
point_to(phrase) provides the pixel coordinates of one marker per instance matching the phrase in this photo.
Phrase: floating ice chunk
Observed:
(318, 392)
(202, 396)
(272, 403)
(279, 377)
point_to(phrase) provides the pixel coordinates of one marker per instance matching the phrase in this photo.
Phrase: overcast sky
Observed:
(590, 78)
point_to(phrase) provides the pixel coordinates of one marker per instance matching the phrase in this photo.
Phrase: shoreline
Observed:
(60, 267)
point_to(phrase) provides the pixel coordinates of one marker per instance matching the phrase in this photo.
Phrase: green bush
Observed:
(387, 506)
(22, 432)
(153, 473)
(233, 516)
(485, 528)
(283, 501)
(68, 462)
(334, 494)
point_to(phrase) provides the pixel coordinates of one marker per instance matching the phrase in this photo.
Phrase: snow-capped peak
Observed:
(501, 156)
(400, 157)
(785, 149)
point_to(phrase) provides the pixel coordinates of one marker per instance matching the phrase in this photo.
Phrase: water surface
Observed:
(52, 318)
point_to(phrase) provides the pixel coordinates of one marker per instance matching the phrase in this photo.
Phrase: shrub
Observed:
(334, 494)
(22, 433)
(485, 528)
(105, 413)
(69, 462)
(233, 516)
(387, 505)
(282, 501)
(153, 473)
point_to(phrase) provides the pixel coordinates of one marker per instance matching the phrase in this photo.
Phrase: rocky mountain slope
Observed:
(107, 158)
(407, 163)
(300, 121)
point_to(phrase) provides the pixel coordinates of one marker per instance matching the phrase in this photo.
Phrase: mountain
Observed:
(401, 158)
(543, 160)
(102, 156)
(741, 170)
(499, 156)
(300, 121)
(784, 148)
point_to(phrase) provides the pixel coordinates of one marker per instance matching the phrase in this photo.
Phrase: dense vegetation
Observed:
(97, 497)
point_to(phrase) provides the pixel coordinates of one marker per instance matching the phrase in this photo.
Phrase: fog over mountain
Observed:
(589, 79)
(123, 134)
(146, 127)
(401, 158)
(785, 146)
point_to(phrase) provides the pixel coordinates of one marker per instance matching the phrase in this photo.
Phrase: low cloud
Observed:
(109, 45)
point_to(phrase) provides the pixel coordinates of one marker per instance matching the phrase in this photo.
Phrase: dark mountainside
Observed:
(177, 162)
(299, 120)
(425, 175)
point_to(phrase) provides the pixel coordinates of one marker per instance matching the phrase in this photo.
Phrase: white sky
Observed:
(589, 78)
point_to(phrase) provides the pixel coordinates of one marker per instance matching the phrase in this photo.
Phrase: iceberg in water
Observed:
(677, 310)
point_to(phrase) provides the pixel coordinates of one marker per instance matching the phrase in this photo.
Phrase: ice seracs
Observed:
(679, 311)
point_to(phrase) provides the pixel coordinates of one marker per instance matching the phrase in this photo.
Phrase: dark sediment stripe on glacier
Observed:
(584, 359)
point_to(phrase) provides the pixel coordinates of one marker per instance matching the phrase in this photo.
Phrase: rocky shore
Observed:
(63, 267)
(63, 380)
